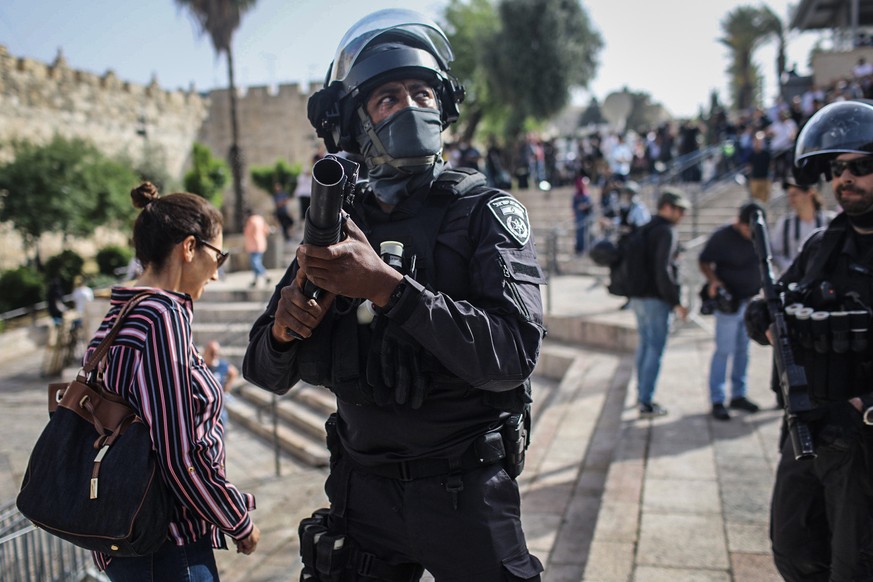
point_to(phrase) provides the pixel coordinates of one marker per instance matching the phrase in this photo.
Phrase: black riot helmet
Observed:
(844, 127)
(387, 45)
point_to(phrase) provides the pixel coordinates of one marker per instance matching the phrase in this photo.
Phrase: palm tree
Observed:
(220, 19)
(745, 29)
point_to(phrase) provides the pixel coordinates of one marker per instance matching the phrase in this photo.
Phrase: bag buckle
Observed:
(100, 454)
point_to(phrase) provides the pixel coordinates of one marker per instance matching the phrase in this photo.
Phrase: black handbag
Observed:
(92, 478)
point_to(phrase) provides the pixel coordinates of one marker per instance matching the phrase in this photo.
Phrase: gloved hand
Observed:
(396, 375)
(401, 368)
(757, 319)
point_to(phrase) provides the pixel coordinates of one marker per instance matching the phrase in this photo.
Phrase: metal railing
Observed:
(29, 554)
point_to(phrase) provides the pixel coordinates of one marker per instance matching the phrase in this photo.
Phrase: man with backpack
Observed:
(654, 292)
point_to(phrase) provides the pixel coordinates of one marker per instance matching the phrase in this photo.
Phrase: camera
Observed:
(723, 301)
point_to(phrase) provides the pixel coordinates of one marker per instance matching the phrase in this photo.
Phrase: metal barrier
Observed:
(28, 554)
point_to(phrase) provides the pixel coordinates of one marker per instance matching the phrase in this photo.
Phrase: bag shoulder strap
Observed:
(101, 350)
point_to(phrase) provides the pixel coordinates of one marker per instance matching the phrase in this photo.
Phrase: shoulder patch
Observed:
(512, 216)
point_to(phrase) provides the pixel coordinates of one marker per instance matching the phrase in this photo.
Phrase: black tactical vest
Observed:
(830, 319)
(336, 356)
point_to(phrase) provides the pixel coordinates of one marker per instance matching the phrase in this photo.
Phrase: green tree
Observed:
(281, 172)
(20, 287)
(470, 26)
(65, 186)
(745, 29)
(220, 19)
(542, 50)
(208, 174)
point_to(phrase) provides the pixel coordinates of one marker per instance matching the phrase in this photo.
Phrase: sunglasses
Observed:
(859, 167)
(221, 255)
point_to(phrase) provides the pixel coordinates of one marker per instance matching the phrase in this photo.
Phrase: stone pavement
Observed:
(605, 497)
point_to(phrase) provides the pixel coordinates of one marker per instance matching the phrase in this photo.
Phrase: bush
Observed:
(101, 281)
(66, 266)
(112, 257)
(20, 287)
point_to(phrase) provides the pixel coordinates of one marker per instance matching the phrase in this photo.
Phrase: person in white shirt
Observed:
(806, 215)
(862, 69)
(782, 133)
(82, 295)
(620, 158)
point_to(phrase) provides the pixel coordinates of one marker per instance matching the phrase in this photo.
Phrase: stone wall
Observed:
(273, 125)
(39, 100)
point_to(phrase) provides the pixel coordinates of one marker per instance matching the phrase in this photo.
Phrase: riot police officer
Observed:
(428, 347)
(822, 512)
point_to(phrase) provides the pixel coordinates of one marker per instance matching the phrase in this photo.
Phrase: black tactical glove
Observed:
(757, 320)
(394, 367)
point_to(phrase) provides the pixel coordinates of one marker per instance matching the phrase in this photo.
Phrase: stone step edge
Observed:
(299, 446)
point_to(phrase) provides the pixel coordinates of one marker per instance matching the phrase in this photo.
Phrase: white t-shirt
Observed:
(82, 295)
(797, 233)
(304, 185)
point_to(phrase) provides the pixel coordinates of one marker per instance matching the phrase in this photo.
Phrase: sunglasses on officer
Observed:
(859, 167)
(220, 257)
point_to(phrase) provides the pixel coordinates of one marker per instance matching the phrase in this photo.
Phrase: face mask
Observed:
(408, 141)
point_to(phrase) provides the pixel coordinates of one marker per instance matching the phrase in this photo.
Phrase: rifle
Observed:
(333, 183)
(792, 377)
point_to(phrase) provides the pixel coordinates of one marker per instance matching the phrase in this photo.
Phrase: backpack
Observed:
(630, 272)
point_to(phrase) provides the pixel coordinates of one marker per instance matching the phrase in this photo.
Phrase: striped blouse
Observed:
(155, 366)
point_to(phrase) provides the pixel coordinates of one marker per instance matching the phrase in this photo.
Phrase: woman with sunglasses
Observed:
(155, 366)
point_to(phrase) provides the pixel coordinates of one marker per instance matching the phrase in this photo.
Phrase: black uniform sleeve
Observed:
(490, 340)
(267, 363)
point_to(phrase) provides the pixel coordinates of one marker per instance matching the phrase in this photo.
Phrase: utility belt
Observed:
(834, 349)
(326, 550)
(507, 444)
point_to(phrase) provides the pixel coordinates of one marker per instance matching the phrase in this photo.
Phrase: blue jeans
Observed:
(653, 325)
(193, 562)
(731, 342)
(256, 261)
(581, 232)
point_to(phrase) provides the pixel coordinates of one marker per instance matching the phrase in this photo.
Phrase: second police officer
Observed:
(822, 509)
(430, 361)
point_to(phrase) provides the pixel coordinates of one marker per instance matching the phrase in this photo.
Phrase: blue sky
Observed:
(667, 48)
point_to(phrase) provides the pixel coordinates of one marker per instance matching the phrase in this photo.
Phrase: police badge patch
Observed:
(512, 216)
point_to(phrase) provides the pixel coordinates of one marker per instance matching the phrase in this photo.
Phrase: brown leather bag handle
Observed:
(102, 350)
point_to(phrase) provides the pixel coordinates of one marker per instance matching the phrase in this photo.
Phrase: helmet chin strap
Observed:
(383, 157)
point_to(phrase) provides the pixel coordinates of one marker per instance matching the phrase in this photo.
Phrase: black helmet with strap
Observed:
(843, 127)
(387, 45)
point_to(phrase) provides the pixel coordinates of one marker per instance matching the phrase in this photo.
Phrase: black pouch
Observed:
(516, 438)
(489, 448)
(331, 557)
(309, 531)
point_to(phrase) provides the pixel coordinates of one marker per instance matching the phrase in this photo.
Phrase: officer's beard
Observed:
(402, 152)
(859, 210)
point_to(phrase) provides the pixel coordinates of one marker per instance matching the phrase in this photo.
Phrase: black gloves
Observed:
(394, 367)
(757, 320)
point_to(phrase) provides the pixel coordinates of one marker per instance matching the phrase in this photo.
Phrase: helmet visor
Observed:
(838, 128)
(403, 24)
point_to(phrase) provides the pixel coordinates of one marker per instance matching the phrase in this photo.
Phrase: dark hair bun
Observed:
(144, 194)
